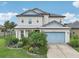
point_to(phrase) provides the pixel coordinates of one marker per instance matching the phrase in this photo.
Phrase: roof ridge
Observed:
(52, 22)
(40, 12)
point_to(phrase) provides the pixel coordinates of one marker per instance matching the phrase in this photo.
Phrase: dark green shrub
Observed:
(25, 41)
(35, 43)
(15, 40)
(39, 42)
(74, 41)
(43, 50)
(11, 41)
(38, 38)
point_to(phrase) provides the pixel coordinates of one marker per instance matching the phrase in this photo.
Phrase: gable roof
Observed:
(52, 23)
(74, 24)
(37, 12)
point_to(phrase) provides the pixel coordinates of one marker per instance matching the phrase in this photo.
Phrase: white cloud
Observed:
(3, 3)
(7, 16)
(76, 4)
(71, 17)
(24, 9)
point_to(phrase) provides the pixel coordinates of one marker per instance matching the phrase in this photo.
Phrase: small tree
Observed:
(9, 26)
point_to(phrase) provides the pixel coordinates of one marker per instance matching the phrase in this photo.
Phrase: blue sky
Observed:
(8, 9)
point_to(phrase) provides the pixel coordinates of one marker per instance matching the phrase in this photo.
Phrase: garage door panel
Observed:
(56, 37)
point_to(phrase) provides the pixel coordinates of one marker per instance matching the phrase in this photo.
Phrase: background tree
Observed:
(9, 26)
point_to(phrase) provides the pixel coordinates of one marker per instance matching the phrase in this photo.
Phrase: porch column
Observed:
(16, 33)
(24, 33)
(19, 34)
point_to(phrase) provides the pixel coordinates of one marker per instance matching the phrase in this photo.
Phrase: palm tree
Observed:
(9, 26)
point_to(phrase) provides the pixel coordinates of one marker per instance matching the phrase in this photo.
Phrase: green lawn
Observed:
(2, 43)
(6, 52)
(12, 53)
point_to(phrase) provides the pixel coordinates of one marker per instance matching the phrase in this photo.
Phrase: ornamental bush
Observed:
(74, 41)
(38, 40)
(36, 43)
(11, 41)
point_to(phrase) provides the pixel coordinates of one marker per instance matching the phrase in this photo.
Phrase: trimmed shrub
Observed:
(38, 38)
(36, 43)
(43, 50)
(25, 41)
(11, 41)
(15, 40)
(39, 42)
(74, 41)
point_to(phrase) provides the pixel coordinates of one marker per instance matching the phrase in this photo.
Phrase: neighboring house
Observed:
(38, 20)
(74, 28)
(1, 30)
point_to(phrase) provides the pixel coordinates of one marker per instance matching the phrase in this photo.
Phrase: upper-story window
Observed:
(30, 21)
(22, 21)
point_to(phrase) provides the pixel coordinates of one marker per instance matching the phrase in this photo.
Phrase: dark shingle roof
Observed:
(38, 12)
(74, 24)
(52, 23)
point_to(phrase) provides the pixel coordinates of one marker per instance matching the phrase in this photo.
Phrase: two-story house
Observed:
(38, 20)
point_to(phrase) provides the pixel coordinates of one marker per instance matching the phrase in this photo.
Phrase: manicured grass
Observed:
(6, 52)
(12, 53)
(2, 43)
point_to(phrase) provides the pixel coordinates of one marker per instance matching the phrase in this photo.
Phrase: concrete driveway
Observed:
(61, 51)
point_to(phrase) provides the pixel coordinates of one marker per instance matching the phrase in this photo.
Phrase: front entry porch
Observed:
(20, 33)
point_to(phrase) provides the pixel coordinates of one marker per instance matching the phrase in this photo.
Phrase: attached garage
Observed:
(55, 37)
(56, 32)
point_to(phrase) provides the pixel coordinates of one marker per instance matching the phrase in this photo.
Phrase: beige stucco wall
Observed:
(46, 19)
(26, 21)
(76, 31)
(66, 31)
(42, 21)
(58, 19)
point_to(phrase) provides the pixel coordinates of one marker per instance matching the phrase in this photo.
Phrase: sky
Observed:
(9, 9)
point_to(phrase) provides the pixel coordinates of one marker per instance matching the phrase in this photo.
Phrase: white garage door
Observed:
(56, 37)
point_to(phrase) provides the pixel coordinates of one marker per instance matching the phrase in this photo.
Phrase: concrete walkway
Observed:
(61, 51)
